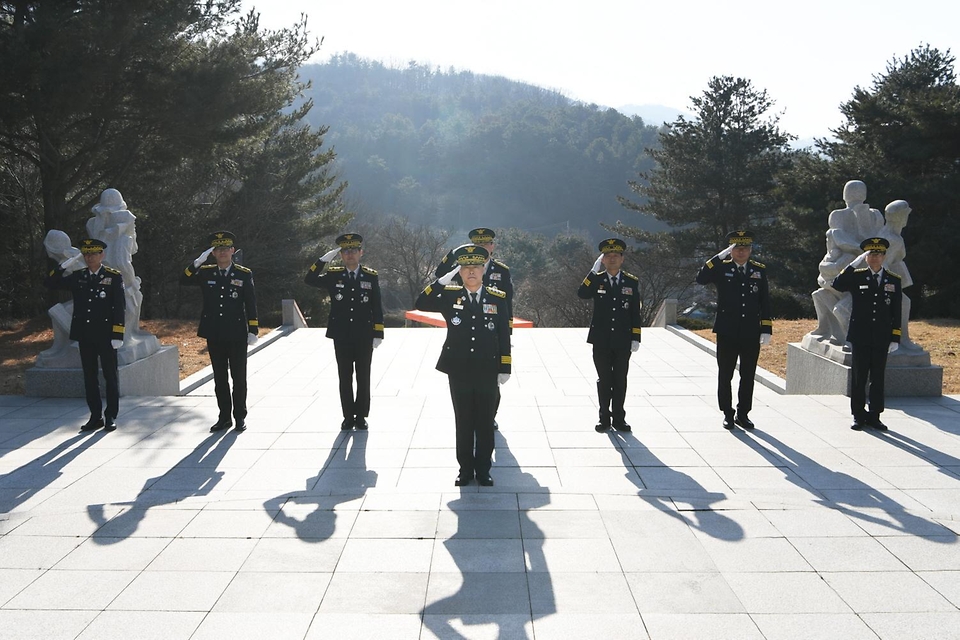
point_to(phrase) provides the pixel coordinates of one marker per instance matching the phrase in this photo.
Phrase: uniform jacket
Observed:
(356, 313)
(743, 302)
(229, 302)
(496, 275)
(616, 312)
(478, 337)
(98, 302)
(875, 319)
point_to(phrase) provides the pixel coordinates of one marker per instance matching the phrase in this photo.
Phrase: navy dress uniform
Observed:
(614, 332)
(475, 357)
(743, 322)
(97, 326)
(229, 323)
(355, 325)
(496, 274)
(874, 329)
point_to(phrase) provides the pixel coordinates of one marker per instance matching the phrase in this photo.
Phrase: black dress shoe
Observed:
(623, 426)
(743, 421)
(347, 424)
(485, 481)
(221, 425)
(462, 480)
(361, 423)
(241, 427)
(875, 423)
(857, 425)
(601, 427)
(109, 424)
(92, 424)
(496, 427)
(728, 421)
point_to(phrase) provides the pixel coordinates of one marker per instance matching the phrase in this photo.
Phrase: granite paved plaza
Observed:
(801, 529)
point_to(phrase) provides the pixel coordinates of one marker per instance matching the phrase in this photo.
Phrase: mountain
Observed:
(654, 114)
(458, 149)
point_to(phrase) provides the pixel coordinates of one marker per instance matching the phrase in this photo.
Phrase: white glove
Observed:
(723, 255)
(502, 378)
(376, 342)
(116, 344)
(72, 264)
(330, 255)
(860, 260)
(252, 339)
(893, 347)
(448, 278)
(596, 265)
(765, 338)
(202, 257)
(634, 346)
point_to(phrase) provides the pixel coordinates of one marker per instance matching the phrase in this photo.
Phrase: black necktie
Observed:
(223, 273)
(742, 269)
(473, 298)
(353, 276)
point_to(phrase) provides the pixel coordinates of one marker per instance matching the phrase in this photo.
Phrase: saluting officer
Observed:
(495, 274)
(97, 325)
(614, 329)
(743, 321)
(229, 323)
(355, 323)
(475, 355)
(874, 327)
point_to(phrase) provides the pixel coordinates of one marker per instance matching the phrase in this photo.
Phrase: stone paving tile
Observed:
(702, 626)
(915, 626)
(49, 625)
(610, 626)
(813, 626)
(144, 625)
(891, 592)
(683, 593)
(255, 626)
(363, 626)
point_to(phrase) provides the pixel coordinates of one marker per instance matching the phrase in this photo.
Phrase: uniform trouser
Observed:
(354, 355)
(729, 350)
(229, 355)
(474, 402)
(90, 352)
(612, 367)
(869, 364)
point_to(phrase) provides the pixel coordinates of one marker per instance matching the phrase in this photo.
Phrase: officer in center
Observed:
(743, 321)
(355, 323)
(475, 355)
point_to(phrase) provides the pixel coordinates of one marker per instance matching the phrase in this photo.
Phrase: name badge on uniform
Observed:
(601, 290)
(495, 276)
(213, 282)
(237, 283)
(489, 308)
(864, 286)
(729, 274)
(755, 274)
(458, 306)
(889, 287)
(627, 291)
(339, 285)
(108, 280)
(366, 284)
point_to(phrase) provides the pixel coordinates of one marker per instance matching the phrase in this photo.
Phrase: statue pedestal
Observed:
(156, 375)
(822, 368)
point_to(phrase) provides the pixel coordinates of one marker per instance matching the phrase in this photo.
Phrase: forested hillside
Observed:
(457, 149)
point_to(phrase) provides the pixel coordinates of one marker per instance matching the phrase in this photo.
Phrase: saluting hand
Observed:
(202, 257)
(329, 255)
(723, 255)
(72, 264)
(596, 265)
(447, 278)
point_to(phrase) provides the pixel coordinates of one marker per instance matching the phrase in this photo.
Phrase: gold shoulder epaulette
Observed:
(627, 274)
(240, 267)
(895, 275)
(111, 270)
(496, 292)
(372, 272)
(208, 266)
(861, 269)
(335, 269)
(453, 287)
(500, 264)
(759, 265)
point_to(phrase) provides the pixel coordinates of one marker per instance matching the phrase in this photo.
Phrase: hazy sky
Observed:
(808, 55)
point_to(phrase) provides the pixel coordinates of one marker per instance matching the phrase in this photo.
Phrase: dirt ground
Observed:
(21, 341)
(941, 337)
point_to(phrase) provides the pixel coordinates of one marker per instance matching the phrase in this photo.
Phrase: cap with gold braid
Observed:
(742, 238)
(470, 254)
(349, 241)
(613, 245)
(878, 245)
(91, 245)
(481, 236)
(221, 239)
